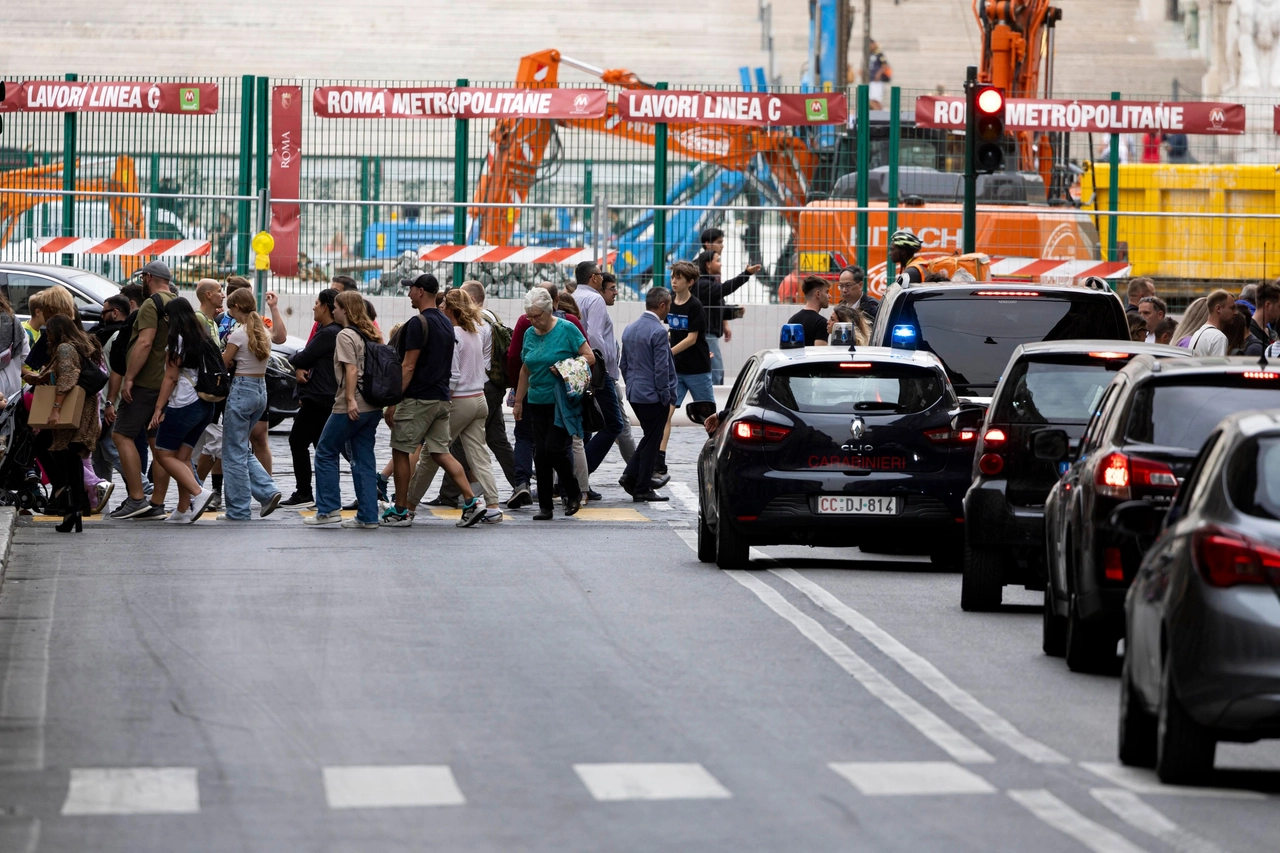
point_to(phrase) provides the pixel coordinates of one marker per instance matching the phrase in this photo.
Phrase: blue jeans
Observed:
(339, 432)
(717, 360)
(598, 447)
(697, 384)
(242, 473)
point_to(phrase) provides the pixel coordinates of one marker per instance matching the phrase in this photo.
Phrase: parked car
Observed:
(974, 327)
(1202, 654)
(1047, 385)
(1139, 445)
(88, 289)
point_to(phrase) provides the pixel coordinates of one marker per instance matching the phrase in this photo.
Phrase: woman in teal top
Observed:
(548, 341)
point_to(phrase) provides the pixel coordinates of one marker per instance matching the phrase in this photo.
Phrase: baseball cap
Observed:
(159, 269)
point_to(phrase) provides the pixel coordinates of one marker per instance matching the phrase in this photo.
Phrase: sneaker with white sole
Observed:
(473, 513)
(393, 516)
(200, 503)
(102, 494)
(153, 512)
(492, 516)
(322, 518)
(131, 507)
(298, 501)
(215, 502)
(357, 524)
(180, 517)
(272, 504)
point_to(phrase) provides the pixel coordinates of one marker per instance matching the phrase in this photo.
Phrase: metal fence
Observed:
(377, 193)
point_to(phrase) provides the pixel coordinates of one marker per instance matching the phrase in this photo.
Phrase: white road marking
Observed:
(889, 778)
(1142, 781)
(684, 495)
(1133, 811)
(24, 690)
(926, 673)
(383, 787)
(132, 790)
(925, 721)
(614, 782)
(1067, 820)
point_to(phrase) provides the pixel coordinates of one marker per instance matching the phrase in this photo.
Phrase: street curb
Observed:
(8, 521)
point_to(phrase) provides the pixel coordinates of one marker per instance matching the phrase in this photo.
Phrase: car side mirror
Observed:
(699, 412)
(1050, 445)
(970, 417)
(1137, 518)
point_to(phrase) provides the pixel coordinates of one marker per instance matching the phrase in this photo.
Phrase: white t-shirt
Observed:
(1208, 341)
(184, 393)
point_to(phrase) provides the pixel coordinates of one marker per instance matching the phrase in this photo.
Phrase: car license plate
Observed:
(856, 505)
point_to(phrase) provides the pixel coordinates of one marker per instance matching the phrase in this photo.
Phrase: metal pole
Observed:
(69, 174)
(864, 169)
(246, 174)
(659, 198)
(153, 217)
(600, 231)
(1113, 190)
(969, 227)
(865, 73)
(586, 192)
(895, 143)
(844, 27)
(264, 161)
(260, 275)
(460, 148)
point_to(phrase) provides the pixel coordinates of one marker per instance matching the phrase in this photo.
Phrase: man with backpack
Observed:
(422, 415)
(137, 371)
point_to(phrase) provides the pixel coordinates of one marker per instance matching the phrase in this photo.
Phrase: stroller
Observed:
(20, 484)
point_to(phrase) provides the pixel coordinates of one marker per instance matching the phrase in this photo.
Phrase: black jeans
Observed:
(308, 423)
(552, 453)
(653, 420)
(495, 436)
(66, 471)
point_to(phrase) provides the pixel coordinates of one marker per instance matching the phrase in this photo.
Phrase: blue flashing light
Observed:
(904, 335)
(792, 336)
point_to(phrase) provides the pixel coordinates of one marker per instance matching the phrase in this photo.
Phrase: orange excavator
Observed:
(518, 148)
(1017, 38)
(127, 219)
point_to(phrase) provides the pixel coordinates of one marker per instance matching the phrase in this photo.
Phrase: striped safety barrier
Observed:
(508, 255)
(124, 247)
(1047, 271)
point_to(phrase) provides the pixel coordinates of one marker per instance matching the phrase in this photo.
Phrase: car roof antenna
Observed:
(1262, 359)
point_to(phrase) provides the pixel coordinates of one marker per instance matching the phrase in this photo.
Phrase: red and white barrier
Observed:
(133, 248)
(1047, 270)
(507, 255)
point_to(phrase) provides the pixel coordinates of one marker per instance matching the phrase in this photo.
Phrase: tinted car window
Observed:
(974, 336)
(1253, 477)
(1183, 414)
(832, 388)
(1054, 392)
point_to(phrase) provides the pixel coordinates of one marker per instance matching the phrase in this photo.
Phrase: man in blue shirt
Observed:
(650, 373)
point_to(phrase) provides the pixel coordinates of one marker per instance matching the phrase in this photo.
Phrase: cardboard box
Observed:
(42, 405)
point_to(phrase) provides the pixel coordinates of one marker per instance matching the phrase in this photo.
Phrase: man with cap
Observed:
(140, 390)
(853, 293)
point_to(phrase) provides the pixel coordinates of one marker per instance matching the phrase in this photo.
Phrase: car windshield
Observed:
(835, 388)
(975, 335)
(94, 284)
(1054, 392)
(1183, 414)
(1253, 477)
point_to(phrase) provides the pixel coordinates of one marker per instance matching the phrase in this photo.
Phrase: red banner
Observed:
(364, 102)
(59, 96)
(1196, 117)
(286, 176)
(758, 109)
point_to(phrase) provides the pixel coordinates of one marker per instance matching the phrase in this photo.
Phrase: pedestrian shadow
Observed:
(862, 563)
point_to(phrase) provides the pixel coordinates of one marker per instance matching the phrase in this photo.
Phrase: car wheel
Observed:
(706, 541)
(732, 551)
(1184, 748)
(1054, 632)
(1137, 743)
(981, 586)
(1090, 647)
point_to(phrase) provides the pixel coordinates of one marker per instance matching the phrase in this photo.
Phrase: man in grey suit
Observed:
(650, 373)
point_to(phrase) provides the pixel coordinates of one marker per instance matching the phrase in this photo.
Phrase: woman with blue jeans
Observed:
(352, 421)
(248, 347)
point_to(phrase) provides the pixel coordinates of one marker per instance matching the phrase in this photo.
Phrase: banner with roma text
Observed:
(428, 102)
(286, 176)
(757, 109)
(60, 96)
(1192, 117)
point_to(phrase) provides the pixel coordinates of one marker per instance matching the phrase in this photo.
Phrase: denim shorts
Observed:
(697, 384)
(183, 427)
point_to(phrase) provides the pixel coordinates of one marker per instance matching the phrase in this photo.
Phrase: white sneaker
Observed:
(200, 503)
(321, 518)
(177, 517)
(357, 524)
(492, 516)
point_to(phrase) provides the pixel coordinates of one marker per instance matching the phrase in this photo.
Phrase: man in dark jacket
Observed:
(1267, 313)
(649, 370)
(317, 385)
(710, 292)
(854, 294)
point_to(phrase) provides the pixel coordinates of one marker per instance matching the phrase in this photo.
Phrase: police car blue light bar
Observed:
(792, 336)
(904, 335)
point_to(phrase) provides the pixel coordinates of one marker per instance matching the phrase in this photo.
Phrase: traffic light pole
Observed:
(969, 227)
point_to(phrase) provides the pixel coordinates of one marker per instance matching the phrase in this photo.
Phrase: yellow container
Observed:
(1186, 247)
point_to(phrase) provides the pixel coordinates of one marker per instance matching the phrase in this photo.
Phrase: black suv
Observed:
(1052, 384)
(973, 327)
(1140, 444)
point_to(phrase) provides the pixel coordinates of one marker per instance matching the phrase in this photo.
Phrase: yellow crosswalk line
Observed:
(310, 513)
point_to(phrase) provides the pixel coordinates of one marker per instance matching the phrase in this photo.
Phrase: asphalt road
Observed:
(579, 685)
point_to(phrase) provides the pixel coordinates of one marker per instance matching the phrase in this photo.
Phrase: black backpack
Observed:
(212, 381)
(119, 360)
(381, 383)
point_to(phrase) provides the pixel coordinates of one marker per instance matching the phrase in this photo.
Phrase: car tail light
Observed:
(994, 436)
(1260, 374)
(1006, 293)
(758, 432)
(1226, 558)
(1110, 355)
(991, 464)
(1117, 473)
(947, 435)
(854, 365)
(1112, 565)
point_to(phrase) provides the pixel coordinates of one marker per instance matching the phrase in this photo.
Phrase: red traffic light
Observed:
(990, 101)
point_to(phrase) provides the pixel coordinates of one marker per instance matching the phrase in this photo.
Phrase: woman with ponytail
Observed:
(248, 347)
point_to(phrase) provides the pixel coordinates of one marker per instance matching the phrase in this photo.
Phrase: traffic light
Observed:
(988, 106)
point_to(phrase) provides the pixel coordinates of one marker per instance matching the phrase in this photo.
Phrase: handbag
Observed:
(592, 417)
(92, 379)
